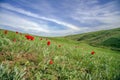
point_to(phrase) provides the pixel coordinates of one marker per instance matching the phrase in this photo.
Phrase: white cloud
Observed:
(106, 14)
(72, 15)
(22, 11)
(18, 22)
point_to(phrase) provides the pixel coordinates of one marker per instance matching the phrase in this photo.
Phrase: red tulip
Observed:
(32, 38)
(48, 43)
(5, 32)
(92, 52)
(16, 32)
(29, 37)
(51, 61)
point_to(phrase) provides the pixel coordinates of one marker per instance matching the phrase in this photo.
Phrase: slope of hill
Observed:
(104, 38)
(29, 57)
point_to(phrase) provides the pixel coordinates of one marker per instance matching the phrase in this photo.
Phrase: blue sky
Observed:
(59, 17)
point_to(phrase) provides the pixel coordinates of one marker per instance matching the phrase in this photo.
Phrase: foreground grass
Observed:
(22, 59)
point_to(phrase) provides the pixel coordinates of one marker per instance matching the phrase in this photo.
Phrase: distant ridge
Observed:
(104, 38)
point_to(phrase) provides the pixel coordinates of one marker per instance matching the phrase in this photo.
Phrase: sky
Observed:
(59, 17)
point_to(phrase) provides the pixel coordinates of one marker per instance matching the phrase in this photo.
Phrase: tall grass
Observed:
(29, 60)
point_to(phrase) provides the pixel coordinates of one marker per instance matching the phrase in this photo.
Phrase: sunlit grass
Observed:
(30, 59)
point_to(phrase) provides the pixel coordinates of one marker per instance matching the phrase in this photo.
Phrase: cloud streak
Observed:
(97, 16)
(60, 17)
(22, 11)
(24, 24)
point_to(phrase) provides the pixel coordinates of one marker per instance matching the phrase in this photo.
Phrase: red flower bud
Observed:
(92, 52)
(48, 43)
(16, 32)
(51, 61)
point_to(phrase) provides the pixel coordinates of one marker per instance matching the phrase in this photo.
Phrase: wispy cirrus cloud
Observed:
(60, 17)
(17, 22)
(22, 11)
(96, 14)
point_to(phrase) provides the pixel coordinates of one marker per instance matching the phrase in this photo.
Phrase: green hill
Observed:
(30, 57)
(104, 38)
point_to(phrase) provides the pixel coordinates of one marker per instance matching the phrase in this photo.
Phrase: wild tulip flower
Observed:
(32, 38)
(51, 61)
(48, 43)
(5, 32)
(16, 32)
(29, 37)
(92, 52)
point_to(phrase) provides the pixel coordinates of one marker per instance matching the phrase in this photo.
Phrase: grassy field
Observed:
(43, 58)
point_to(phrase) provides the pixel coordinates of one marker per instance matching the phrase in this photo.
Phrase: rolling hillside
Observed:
(104, 38)
(29, 57)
